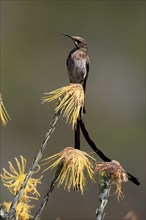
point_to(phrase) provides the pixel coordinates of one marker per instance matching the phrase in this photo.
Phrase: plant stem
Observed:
(47, 196)
(104, 191)
(36, 160)
(2, 213)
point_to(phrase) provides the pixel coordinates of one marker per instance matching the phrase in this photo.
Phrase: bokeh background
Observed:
(33, 56)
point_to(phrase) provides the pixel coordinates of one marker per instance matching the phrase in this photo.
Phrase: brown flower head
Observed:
(75, 163)
(72, 101)
(115, 173)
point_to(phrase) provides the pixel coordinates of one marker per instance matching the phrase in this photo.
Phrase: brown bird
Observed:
(78, 68)
(78, 61)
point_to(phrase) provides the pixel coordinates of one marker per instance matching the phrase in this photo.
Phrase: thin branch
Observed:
(47, 196)
(12, 211)
(104, 192)
(2, 213)
(100, 153)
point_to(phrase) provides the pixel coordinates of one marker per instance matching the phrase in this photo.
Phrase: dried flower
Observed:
(72, 101)
(115, 173)
(14, 179)
(74, 165)
(4, 117)
(22, 210)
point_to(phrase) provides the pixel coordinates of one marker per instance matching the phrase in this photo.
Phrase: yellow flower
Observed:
(115, 173)
(22, 210)
(75, 163)
(72, 101)
(4, 117)
(14, 179)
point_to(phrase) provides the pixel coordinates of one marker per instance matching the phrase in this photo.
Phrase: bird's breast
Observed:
(76, 70)
(77, 65)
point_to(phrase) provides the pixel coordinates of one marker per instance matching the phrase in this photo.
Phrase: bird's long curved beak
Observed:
(67, 35)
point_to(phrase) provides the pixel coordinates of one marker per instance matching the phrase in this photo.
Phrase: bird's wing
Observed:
(87, 65)
(87, 71)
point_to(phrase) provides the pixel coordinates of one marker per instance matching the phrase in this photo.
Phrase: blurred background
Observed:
(33, 56)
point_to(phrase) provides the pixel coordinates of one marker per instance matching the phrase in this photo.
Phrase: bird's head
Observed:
(79, 41)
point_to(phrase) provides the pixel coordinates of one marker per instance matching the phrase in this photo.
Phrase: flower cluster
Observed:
(74, 164)
(114, 172)
(71, 101)
(13, 181)
(4, 117)
(22, 211)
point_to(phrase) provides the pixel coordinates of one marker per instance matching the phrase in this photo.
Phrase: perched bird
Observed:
(78, 61)
(78, 68)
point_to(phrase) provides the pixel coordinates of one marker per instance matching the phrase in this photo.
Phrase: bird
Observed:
(78, 68)
(78, 61)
